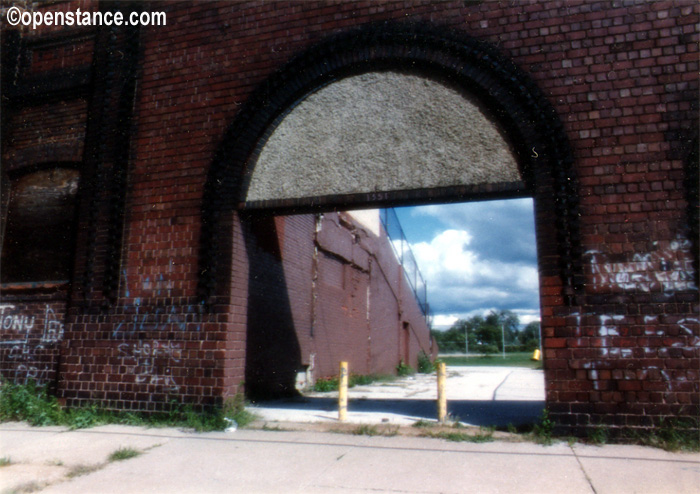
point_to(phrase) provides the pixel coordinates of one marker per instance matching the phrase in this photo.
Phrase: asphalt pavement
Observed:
(478, 396)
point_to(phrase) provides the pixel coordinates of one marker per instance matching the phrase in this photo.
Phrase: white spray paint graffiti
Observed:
(158, 319)
(608, 325)
(686, 326)
(666, 269)
(151, 362)
(24, 348)
(683, 335)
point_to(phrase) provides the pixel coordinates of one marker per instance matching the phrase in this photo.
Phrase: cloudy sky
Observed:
(475, 257)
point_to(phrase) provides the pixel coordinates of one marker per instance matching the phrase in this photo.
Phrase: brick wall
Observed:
(41, 127)
(32, 330)
(323, 290)
(622, 77)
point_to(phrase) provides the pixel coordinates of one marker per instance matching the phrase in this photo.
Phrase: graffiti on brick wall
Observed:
(645, 342)
(158, 319)
(654, 341)
(665, 269)
(27, 341)
(152, 362)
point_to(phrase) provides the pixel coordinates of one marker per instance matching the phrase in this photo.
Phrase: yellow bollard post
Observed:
(442, 396)
(343, 392)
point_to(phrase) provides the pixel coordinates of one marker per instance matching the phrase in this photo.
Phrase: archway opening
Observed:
(388, 117)
(357, 286)
(361, 138)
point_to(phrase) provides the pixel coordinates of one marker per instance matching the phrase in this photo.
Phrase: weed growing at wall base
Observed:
(671, 435)
(425, 365)
(32, 404)
(598, 436)
(403, 369)
(542, 431)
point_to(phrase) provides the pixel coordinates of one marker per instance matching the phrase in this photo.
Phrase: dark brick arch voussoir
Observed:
(528, 119)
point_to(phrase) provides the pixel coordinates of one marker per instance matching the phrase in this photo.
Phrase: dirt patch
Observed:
(421, 429)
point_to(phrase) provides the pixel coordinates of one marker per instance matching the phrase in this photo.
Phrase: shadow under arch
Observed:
(273, 353)
(527, 118)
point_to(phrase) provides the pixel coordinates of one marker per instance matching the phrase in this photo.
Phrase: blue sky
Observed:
(476, 257)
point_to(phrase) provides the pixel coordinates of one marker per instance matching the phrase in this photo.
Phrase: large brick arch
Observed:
(532, 126)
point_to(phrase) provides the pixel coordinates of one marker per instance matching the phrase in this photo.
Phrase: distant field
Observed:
(516, 359)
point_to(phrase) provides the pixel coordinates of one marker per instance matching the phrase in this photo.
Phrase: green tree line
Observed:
(485, 334)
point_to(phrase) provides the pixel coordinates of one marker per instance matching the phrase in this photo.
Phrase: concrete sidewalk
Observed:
(56, 460)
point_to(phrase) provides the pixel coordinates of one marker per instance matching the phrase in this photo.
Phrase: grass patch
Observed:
(235, 409)
(514, 359)
(671, 435)
(5, 461)
(26, 488)
(373, 430)
(274, 428)
(326, 385)
(124, 454)
(483, 436)
(424, 424)
(32, 404)
(80, 470)
(365, 430)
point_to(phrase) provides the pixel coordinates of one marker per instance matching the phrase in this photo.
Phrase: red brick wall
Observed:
(318, 296)
(37, 133)
(32, 330)
(623, 79)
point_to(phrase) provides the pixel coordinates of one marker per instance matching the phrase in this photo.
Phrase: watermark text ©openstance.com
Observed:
(17, 16)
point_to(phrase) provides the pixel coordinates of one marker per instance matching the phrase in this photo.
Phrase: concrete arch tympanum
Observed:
(490, 81)
(513, 100)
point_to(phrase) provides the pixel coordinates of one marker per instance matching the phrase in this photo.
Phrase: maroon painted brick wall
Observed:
(322, 289)
(623, 79)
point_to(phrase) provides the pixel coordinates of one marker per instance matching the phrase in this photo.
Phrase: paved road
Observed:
(481, 396)
(257, 461)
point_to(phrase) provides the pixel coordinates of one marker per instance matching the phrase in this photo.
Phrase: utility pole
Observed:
(503, 338)
(466, 339)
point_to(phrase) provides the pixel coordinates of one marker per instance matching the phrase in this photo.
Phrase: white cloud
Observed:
(528, 316)
(444, 321)
(446, 256)
(500, 230)
(462, 281)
